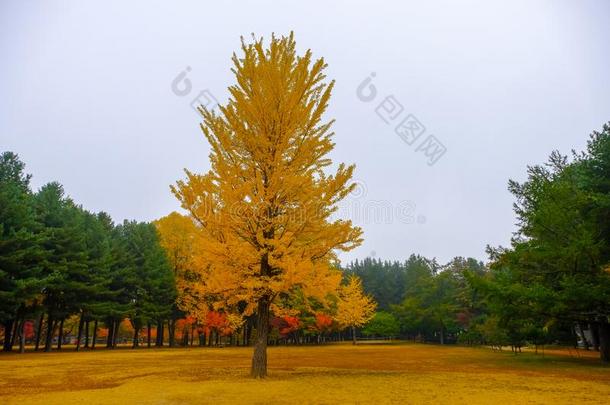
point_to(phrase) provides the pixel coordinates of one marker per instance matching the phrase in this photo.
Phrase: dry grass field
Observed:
(367, 373)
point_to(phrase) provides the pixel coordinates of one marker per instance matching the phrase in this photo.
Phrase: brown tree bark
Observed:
(86, 333)
(148, 336)
(22, 337)
(61, 334)
(185, 336)
(604, 341)
(594, 328)
(159, 340)
(39, 331)
(353, 335)
(94, 338)
(171, 330)
(581, 332)
(49, 338)
(136, 338)
(259, 358)
(115, 332)
(110, 336)
(8, 335)
(79, 336)
(15, 333)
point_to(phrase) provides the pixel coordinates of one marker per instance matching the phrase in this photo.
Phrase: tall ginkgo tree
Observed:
(265, 205)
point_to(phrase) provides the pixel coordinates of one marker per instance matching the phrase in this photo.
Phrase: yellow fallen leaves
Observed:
(405, 373)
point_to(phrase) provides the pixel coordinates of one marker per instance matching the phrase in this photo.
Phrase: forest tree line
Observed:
(551, 285)
(58, 260)
(61, 263)
(68, 271)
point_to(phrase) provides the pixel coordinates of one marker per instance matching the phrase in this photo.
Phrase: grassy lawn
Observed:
(340, 373)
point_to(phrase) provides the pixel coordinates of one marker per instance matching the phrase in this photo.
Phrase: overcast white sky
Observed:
(86, 99)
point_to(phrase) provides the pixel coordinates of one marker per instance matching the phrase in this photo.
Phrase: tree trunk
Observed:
(148, 333)
(15, 333)
(8, 335)
(442, 334)
(581, 332)
(604, 341)
(49, 338)
(22, 337)
(87, 333)
(94, 338)
(171, 330)
(159, 340)
(136, 338)
(61, 334)
(117, 325)
(110, 334)
(185, 336)
(39, 331)
(192, 334)
(354, 335)
(259, 359)
(81, 323)
(594, 328)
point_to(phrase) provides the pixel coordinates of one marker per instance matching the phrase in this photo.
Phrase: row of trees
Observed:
(259, 245)
(421, 299)
(551, 285)
(67, 271)
(555, 276)
(58, 260)
(309, 314)
(464, 301)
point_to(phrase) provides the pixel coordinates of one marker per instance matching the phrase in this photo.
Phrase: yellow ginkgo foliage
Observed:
(181, 239)
(354, 308)
(265, 205)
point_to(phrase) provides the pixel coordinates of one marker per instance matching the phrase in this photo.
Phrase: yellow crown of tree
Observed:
(265, 205)
(181, 239)
(354, 307)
